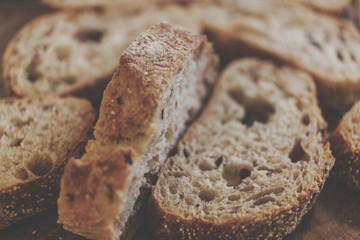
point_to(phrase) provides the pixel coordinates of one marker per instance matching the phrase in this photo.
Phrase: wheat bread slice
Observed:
(345, 145)
(159, 85)
(251, 165)
(37, 136)
(75, 53)
(325, 46)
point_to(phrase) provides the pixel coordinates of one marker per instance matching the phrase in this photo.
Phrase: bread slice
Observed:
(251, 165)
(324, 46)
(161, 81)
(72, 53)
(345, 145)
(37, 136)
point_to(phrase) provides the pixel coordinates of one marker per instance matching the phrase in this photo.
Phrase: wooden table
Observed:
(335, 216)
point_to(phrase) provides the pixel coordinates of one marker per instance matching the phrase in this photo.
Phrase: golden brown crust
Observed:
(143, 73)
(346, 150)
(96, 203)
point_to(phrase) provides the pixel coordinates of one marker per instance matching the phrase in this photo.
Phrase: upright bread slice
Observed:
(157, 88)
(325, 46)
(37, 136)
(345, 144)
(75, 53)
(251, 165)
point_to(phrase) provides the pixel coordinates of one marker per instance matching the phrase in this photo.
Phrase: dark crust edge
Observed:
(166, 225)
(25, 199)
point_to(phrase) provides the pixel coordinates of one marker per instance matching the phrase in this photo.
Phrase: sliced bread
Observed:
(159, 85)
(75, 53)
(251, 165)
(345, 145)
(325, 46)
(37, 136)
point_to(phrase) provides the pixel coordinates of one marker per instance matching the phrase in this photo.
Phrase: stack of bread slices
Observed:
(200, 119)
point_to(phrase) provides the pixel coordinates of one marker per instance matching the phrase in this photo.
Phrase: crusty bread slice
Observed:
(72, 53)
(37, 136)
(325, 46)
(161, 81)
(251, 165)
(345, 145)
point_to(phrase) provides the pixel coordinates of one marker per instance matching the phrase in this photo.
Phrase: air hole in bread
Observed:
(162, 114)
(257, 110)
(186, 153)
(234, 174)
(128, 159)
(173, 188)
(47, 107)
(63, 52)
(264, 200)
(109, 193)
(120, 101)
(70, 197)
(339, 55)
(234, 197)
(178, 174)
(219, 161)
(189, 201)
(352, 56)
(69, 80)
(15, 142)
(21, 173)
(237, 95)
(32, 71)
(207, 195)
(90, 35)
(19, 123)
(205, 166)
(40, 165)
(314, 42)
(298, 153)
(305, 119)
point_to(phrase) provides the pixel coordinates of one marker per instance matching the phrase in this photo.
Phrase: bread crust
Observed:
(167, 222)
(346, 150)
(332, 93)
(27, 198)
(24, 198)
(98, 198)
(131, 126)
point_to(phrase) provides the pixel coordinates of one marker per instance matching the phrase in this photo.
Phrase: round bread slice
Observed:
(345, 145)
(253, 163)
(37, 136)
(75, 53)
(325, 46)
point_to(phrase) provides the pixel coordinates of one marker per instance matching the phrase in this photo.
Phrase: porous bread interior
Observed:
(255, 151)
(171, 116)
(290, 30)
(351, 125)
(58, 53)
(36, 135)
